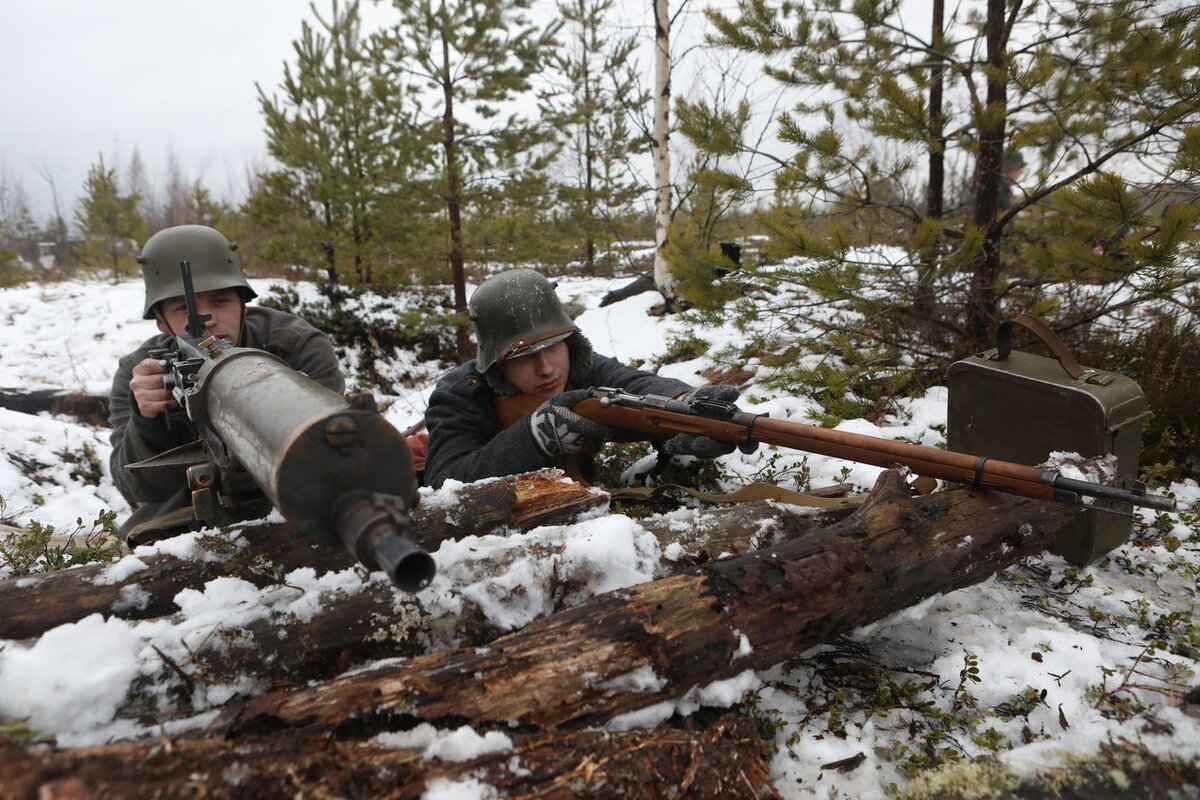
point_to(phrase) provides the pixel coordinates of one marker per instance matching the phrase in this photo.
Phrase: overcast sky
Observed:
(89, 77)
(85, 77)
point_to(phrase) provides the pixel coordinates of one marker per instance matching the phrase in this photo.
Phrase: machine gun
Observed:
(335, 468)
(663, 416)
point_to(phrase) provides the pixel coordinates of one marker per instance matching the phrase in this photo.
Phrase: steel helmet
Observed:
(213, 259)
(516, 313)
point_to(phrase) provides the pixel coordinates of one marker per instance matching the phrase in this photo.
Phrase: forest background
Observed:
(464, 137)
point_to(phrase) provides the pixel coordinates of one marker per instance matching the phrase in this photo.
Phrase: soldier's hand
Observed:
(557, 430)
(149, 388)
(683, 444)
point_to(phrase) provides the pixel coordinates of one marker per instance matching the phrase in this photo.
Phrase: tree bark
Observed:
(722, 761)
(378, 622)
(642, 283)
(35, 604)
(88, 409)
(593, 662)
(935, 189)
(981, 302)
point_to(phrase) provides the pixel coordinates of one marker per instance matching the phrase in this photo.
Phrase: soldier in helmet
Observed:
(1010, 173)
(509, 410)
(140, 403)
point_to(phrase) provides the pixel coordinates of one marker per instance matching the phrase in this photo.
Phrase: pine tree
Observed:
(600, 87)
(18, 231)
(341, 134)
(110, 223)
(204, 209)
(466, 63)
(1086, 90)
(711, 213)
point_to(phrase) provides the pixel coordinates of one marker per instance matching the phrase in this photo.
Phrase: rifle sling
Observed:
(763, 491)
(747, 493)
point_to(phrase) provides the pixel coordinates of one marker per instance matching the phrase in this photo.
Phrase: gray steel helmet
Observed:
(212, 257)
(514, 314)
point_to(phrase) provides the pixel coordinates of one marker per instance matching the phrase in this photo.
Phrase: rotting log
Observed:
(723, 761)
(576, 668)
(34, 604)
(88, 409)
(376, 622)
(715, 532)
(641, 283)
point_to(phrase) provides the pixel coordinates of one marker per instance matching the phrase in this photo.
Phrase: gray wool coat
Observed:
(464, 441)
(154, 492)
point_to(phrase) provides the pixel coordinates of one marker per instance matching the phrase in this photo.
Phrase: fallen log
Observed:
(263, 553)
(695, 536)
(377, 622)
(88, 409)
(627, 649)
(722, 761)
(642, 283)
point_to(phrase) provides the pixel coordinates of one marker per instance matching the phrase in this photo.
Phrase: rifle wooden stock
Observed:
(737, 427)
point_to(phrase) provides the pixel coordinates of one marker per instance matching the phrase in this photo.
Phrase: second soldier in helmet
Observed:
(509, 410)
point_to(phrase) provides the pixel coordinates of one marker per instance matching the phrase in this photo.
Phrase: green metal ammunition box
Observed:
(1021, 407)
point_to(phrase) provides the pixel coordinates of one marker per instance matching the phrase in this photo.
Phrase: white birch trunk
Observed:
(663, 279)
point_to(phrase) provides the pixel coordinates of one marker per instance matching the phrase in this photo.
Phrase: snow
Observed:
(460, 744)
(1043, 630)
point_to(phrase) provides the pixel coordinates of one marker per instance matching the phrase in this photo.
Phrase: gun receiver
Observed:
(336, 470)
(663, 416)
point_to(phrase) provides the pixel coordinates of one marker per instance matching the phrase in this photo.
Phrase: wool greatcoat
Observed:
(155, 492)
(466, 439)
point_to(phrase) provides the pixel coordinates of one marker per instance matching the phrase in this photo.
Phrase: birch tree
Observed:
(661, 151)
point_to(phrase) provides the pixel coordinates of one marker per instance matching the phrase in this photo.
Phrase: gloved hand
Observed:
(683, 444)
(557, 430)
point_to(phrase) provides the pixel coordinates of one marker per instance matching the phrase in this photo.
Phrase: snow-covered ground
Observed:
(1066, 660)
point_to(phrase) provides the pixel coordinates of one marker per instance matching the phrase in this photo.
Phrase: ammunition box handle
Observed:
(1040, 329)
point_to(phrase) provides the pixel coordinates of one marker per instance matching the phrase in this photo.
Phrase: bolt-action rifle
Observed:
(335, 468)
(664, 417)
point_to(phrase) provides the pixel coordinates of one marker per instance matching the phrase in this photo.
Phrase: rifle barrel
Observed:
(664, 417)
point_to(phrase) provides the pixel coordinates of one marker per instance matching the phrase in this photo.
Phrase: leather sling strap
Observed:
(828, 497)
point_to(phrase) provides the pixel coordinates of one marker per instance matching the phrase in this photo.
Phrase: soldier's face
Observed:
(543, 373)
(225, 305)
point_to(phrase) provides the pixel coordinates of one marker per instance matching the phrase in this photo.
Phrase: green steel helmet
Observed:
(213, 259)
(516, 313)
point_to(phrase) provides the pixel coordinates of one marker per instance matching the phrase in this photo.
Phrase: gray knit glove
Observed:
(683, 444)
(557, 430)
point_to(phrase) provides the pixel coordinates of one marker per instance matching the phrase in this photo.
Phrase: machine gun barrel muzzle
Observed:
(373, 527)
